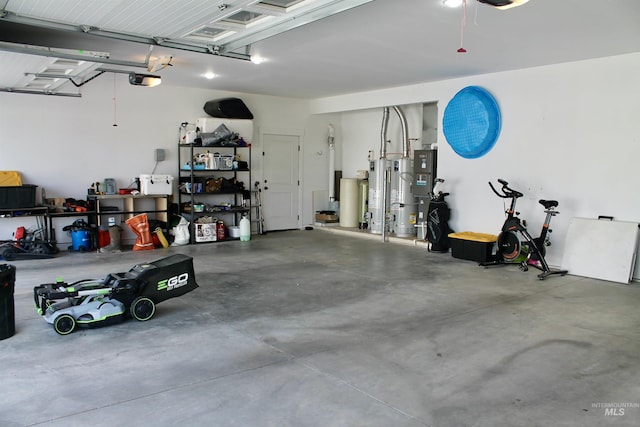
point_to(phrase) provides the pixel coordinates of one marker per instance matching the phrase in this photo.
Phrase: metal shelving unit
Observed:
(210, 176)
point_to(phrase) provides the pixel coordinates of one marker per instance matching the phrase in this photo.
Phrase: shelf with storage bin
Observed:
(214, 181)
(130, 205)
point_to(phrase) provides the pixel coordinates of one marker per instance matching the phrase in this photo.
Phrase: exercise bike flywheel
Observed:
(511, 249)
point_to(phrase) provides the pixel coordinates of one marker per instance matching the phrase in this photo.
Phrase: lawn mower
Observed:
(134, 293)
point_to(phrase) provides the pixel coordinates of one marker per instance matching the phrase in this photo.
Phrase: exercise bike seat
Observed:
(548, 203)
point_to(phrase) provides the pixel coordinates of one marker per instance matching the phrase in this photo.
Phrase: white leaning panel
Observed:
(601, 249)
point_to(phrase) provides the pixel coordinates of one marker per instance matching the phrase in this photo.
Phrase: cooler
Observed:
(156, 184)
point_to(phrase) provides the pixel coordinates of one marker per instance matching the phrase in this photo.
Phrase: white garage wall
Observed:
(63, 144)
(569, 133)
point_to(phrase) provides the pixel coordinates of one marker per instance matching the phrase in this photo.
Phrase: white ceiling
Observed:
(380, 44)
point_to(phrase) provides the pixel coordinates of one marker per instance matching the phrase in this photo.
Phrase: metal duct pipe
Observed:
(377, 182)
(402, 204)
(383, 173)
(383, 133)
(385, 187)
(332, 168)
(405, 132)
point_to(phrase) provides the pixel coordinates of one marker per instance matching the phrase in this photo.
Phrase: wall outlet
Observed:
(158, 155)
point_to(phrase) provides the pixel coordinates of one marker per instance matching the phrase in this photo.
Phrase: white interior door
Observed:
(280, 183)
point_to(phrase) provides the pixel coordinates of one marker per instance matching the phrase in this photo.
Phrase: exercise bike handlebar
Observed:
(507, 192)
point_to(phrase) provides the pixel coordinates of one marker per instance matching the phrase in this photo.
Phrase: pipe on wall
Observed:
(332, 168)
(405, 131)
(383, 133)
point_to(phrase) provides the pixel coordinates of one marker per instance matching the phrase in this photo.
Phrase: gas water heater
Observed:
(402, 202)
(391, 186)
(378, 207)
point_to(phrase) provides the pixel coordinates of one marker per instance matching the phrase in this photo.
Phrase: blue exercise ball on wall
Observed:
(472, 122)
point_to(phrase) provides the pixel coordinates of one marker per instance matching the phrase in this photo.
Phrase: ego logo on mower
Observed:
(173, 282)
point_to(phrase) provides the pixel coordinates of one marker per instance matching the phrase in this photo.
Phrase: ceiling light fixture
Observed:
(452, 3)
(148, 80)
(209, 75)
(257, 59)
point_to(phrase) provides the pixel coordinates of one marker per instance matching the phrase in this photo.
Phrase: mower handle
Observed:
(507, 192)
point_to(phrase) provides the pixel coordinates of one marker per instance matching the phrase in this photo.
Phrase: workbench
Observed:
(44, 218)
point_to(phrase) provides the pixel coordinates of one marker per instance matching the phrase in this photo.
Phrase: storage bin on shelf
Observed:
(16, 197)
(472, 246)
(10, 179)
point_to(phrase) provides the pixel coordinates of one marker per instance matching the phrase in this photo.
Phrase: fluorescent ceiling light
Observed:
(144, 80)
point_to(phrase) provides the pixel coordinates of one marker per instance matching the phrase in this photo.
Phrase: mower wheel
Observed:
(142, 309)
(64, 324)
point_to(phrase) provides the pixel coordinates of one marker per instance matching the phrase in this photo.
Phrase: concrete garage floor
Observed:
(311, 328)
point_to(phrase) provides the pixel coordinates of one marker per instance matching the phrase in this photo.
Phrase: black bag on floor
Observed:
(438, 226)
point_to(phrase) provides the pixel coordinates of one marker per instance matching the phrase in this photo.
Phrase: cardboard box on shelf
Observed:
(326, 217)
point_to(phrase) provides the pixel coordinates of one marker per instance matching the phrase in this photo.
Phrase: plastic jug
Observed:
(245, 229)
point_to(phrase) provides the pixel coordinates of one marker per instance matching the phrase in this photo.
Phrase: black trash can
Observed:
(7, 311)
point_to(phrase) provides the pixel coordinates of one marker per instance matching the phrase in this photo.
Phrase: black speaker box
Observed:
(227, 108)
(7, 310)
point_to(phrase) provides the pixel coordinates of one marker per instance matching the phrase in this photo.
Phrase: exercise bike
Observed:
(529, 251)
